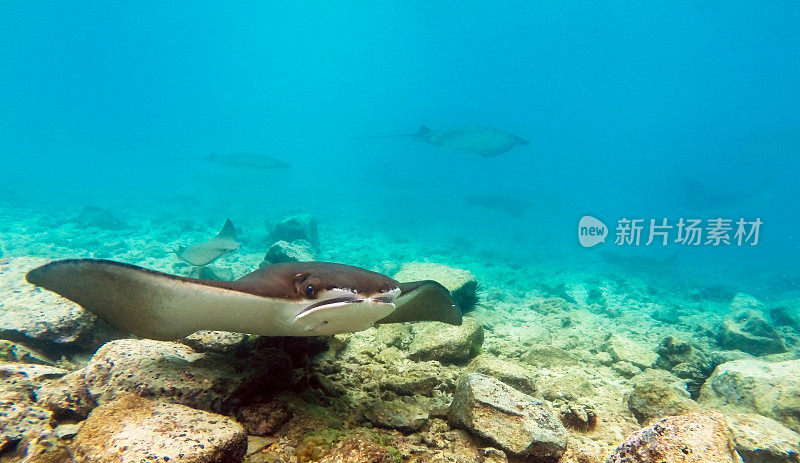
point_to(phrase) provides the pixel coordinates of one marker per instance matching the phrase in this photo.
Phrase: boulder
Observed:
(750, 332)
(516, 422)
(284, 251)
(771, 389)
(223, 342)
(19, 418)
(686, 360)
(446, 343)
(625, 350)
(691, 438)
(461, 283)
(296, 227)
(759, 439)
(511, 373)
(399, 415)
(67, 397)
(657, 393)
(135, 429)
(176, 372)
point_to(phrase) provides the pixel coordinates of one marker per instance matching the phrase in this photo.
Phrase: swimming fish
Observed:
(246, 161)
(287, 299)
(485, 141)
(204, 253)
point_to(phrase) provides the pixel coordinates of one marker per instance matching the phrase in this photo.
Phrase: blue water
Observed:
(116, 105)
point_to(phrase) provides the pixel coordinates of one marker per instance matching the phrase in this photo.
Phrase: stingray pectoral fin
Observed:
(424, 300)
(144, 302)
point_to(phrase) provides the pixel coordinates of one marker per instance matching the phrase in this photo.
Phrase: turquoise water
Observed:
(664, 111)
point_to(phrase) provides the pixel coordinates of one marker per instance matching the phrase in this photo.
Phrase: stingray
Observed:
(287, 299)
(485, 141)
(246, 161)
(507, 204)
(204, 253)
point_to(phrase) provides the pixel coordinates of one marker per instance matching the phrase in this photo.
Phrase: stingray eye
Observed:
(310, 291)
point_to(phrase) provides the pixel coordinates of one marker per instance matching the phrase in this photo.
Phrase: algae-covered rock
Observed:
(771, 389)
(446, 343)
(512, 420)
(18, 353)
(399, 415)
(135, 429)
(296, 227)
(177, 373)
(686, 360)
(511, 373)
(360, 447)
(657, 393)
(692, 438)
(461, 283)
(742, 302)
(750, 332)
(759, 439)
(625, 350)
(284, 251)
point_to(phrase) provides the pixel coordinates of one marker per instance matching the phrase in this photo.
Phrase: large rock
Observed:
(41, 318)
(176, 372)
(759, 439)
(511, 373)
(516, 422)
(691, 438)
(771, 389)
(134, 429)
(750, 332)
(461, 283)
(399, 415)
(657, 393)
(284, 251)
(446, 343)
(623, 349)
(26, 377)
(296, 227)
(686, 360)
(67, 397)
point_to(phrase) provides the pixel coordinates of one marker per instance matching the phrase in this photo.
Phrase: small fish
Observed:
(204, 253)
(246, 161)
(485, 141)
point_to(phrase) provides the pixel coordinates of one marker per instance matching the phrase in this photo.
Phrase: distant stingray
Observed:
(246, 161)
(507, 204)
(204, 253)
(697, 196)
(485, 141)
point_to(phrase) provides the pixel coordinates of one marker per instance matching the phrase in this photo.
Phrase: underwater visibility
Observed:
(549, 232)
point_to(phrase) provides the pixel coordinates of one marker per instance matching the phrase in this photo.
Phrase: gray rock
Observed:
(446, 343)
(461, 283)
(516, 422)
(296, 227)
(224, 342)
(750, 332)
(657, 393)
(759, 439)
(176, 372)
(786, 313)
(284, 251)
(134, 429)
(41, 318)
(771, 389)
(399, 415)
(742, 301)
(511, 373)
(67, 397)
(691, 438)
(686, 360)
(625, 350)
